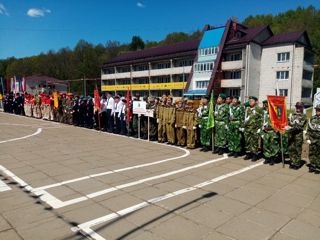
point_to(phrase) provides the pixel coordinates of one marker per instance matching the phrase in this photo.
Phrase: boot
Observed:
(266, 161)
(254, 158)
(271, 162)
(236, 155)
(205, 149)
(248, 156)
(311, 168)
(216, 150)
(231, 154)
(221, 151)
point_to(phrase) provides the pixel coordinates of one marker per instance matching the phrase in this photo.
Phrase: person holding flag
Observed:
(270, 137)
(236, 116)
(296, 124)
(313, 139)
(205, 132)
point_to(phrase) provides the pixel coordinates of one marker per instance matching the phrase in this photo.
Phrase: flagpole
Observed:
(212, 129)
(282, 153)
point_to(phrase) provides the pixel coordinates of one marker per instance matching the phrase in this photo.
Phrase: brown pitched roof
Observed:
(249, 35)
(143, 55)
(284, 38)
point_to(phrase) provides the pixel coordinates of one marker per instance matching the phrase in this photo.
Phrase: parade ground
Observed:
(63, 182)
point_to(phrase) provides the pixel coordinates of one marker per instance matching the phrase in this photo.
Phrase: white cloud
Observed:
(141, 5)
(36, 12)
(3, 10)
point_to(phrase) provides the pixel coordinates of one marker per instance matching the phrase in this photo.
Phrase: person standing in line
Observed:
(179, 124)
(296, 124)
(190, 121)
(313, 139)
(221, 124)
(169, 119)
(109, 112)
(160, 119)
(205, 134)
(117, 109)
(252, 128)
(123, 117)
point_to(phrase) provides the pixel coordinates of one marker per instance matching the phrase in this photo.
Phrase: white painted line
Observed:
(20, 138)
(59, 204)
(4, 187)
(86, 228)
(26, 186)
(187, 153)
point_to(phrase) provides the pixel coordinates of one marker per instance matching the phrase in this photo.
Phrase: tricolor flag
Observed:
(278, 112)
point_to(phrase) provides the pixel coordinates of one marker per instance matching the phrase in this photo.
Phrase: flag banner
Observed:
(12, 84)
(210, 123)
(97, 105)
(278, 112)
(8, 86)
(3, 85)
(129, 113)
(24, 84)
(55, 99)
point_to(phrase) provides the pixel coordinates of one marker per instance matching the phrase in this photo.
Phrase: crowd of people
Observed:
(239, 129)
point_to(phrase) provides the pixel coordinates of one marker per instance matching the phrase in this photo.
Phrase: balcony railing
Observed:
(232, 65)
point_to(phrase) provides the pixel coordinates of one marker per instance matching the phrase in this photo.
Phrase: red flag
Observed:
(97, 105)
(129, 113)
(278, 112)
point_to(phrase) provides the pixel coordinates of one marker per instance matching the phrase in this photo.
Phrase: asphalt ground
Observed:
(64, 182)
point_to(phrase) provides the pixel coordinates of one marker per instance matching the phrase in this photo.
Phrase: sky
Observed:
(31, 27)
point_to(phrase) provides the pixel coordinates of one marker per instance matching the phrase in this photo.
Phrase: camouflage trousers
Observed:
(271, 144)
(295, 143)
(161, 131)
(220, 134)
(170, 133)
(251, 140)
(153, 129)
(181, 138)
(234, 137)
(191, 138)
(314, 151)
(205, 134)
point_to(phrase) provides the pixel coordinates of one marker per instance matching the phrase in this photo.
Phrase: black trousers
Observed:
(123, 125)
(109, 124)
(103, 120)
(118, 123)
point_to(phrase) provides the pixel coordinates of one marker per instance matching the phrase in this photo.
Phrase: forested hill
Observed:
(85, 59)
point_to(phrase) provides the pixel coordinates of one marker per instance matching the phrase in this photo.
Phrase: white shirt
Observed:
(123, 110)
(118, 106)
(103, 105)
(110, 103)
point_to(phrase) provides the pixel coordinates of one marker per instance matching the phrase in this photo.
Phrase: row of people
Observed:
(238, 128)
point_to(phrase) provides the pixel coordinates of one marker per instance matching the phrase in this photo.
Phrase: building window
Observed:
(232, 75)
(282, 75)
(233, 57)
(234, 92)
(306, 93)
(208, 51)
(201, 67)
(202, 84)
(283, 57)
(307, 75)
(283, 92)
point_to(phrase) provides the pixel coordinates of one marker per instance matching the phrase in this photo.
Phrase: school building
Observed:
(233, 59)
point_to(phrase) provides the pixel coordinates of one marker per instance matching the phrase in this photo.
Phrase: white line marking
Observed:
(187, 153)
(86, 228)
(20, 138)
(4, 187)
(59, 204)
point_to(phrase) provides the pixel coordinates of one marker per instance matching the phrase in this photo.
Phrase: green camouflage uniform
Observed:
(205, 134)
(271, 142)
(313, 134)
(221, 125)
(69, 106)
(297, 122)
(252, 123)
(234, 134)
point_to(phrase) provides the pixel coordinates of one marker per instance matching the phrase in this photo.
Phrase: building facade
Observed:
(233, 59)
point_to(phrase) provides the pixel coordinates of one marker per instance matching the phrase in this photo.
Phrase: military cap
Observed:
(253, 98)
(179, 100)
(189, 101)
(222, 95)
(206, 97)
(317, 107)
(236, 97)
(265, 102)
(299, 105)
(124, 100)
(169, 97)
(117, 97)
